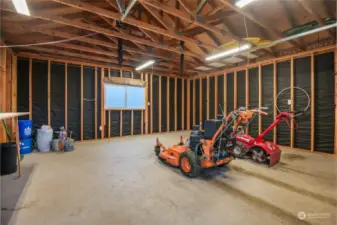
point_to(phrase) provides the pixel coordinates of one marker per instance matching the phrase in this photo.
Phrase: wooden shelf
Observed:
(4, 116)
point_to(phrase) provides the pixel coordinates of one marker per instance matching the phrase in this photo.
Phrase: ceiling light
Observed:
(243, 3)
(229, 52)
(149, 63)
(21, 7)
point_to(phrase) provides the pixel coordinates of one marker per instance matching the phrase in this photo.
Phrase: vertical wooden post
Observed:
(175, 103)
(159, 104)
(193, 106)
(151, 102)
(49, 95)
(247, 95)
(3, 89)
(14, 92)
(103, 122)
(260, 96)
(292, 100)
(312, 144)
(183, 104)
(225, 93)
(81, 102)
(200, 101)
(30, 89)
(188, 105)
(335, 102)
(235, 89)
(216, 100)
(96, 102)
(142, 112)
(207, 98)
(275, 100)
(66, 95)
(168, 104)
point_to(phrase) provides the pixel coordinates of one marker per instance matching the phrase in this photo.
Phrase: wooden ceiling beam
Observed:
(180, 14)
(187, 9)
(309, 8)
(259, 22)
(200, 6)
(156, 16)
(106, 13)
(96, 29)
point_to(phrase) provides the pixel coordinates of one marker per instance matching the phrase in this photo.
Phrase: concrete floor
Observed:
(121, 182)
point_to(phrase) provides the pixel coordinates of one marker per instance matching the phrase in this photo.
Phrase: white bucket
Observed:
(44, 138)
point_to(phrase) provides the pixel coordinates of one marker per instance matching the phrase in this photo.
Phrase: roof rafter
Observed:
(306, 5)
(259, 22)
(106, 13)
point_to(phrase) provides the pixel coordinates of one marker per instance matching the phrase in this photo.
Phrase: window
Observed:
(124, 96)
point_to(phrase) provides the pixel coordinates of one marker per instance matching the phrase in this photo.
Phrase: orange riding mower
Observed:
(205, 148)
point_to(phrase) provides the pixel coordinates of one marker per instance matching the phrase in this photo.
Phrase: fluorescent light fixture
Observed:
(229, 52)
(243, 3)
(148, 63)
(21, 7)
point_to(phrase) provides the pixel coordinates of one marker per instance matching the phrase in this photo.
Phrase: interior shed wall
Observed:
(313, 72)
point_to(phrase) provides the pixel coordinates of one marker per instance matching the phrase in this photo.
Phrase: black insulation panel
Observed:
(126, 74)
(149, 105)
(204, 99)
(98, 100)
(172, 108)
(74, 100)
(241, 88)
(163, 104)
(302, 72)
(254, 99)
(220, 93)
(137, 76)
(283, 81)
(186, 96)
(115, 119)
(197, 102)
(212, 97)
(106, 127)
(179, 104)
(155, 103)
(23, 86)
(191, 103)
(40, 93)
(324, 103)
(230, 92)
(137, 122)
(267, 73)
(88, 103)
(57, 103)
(106, 73)
(115, 73)
(126, 126)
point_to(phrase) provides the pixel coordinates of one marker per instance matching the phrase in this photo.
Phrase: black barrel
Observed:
(8, 158)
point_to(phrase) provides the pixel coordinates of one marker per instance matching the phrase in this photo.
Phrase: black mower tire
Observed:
(194, 162)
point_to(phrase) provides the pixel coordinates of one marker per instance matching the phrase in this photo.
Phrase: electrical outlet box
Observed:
(289, 101)
(100, 127)
(148, 103)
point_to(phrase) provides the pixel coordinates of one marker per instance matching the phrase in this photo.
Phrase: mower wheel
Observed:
(189, 164)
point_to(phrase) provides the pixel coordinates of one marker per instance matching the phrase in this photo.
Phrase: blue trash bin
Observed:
(25, 129)
(26, 146)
